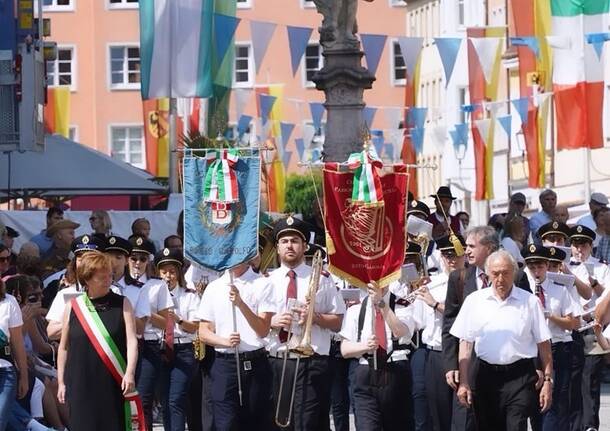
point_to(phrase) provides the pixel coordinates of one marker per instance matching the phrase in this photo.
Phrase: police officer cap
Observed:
(556, 254)
(11, 233)
(139, 244)
(169, 256)
(582, 232)
(412, 248)
(445, 244)
(116, 243)
(291, 225)
(86, 243)
(418, 207)
(312, 248)
(535, 252)
(554, 227)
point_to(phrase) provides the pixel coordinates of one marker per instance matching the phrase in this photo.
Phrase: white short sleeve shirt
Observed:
(159, 298)
(186, 304)
(10, 317)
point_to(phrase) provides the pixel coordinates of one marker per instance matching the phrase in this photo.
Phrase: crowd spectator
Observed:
(516, 206)
(497, 222)
(464, 218)
(513, 237)
(5, 260)
(548, 202)
(101, 224)
(442, 221)
(597, 201)
(56, 258)
(43, 239)
(561, 214)
(603, 235)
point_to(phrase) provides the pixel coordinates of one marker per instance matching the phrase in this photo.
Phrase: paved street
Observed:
(604, 411)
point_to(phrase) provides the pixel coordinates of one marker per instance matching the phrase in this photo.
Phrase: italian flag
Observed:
(578, 81)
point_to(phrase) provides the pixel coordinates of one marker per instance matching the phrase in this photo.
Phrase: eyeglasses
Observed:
(138, 258)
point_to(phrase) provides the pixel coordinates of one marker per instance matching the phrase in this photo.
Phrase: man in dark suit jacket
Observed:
(481, 241)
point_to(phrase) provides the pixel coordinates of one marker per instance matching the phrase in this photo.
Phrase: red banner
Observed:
(365, 243)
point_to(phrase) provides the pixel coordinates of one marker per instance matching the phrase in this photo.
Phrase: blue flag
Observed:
(368, 115)
(416, 117)
(389, 151)
(417, 137)
(242, 124)
(266, 104)
(505, 122)
(317, 111)
(459, 136)
(373, 45)
(448, 48)
(597, 40)
(286, 158)
(224, 30)
(221, 236)
(286, 129)
(521, 105)
(300, 144)
(529, 41)
(298, 38)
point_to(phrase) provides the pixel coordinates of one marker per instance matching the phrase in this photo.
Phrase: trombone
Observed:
(300, 344)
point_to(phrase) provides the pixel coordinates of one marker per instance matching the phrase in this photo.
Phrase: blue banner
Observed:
(221, 236)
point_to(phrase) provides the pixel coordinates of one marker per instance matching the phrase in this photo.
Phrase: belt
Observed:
(515, 366)
(244, 356)
(433, 348)
(280, 355)
(6, 354)
(183, 341)
(394, 357)
(151, 337)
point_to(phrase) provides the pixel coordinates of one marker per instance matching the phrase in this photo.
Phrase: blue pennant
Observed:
(298, 38)
(469, 109)
(522, 105)
(317, 111)
(286, 129)
(377, 138)
(597, 40)
(459, 136)
(373, 45)
(224, 30)
(368, 115)
(529, 41)
(242, 124)
(300, 144)
(506, 123)
(448, 48)
(286, 158)
(416, 117)
(417, 137)
(266, 103)
(261, 32)
(389, 151)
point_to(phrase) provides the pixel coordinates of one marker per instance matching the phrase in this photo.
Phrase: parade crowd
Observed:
(495, 327)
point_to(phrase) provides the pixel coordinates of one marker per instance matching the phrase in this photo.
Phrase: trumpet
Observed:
(299, 344)
(424, 241)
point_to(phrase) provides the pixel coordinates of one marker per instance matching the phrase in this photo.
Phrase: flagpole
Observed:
(173, 154)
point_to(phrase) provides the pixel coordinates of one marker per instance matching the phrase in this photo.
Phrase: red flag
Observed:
(365, 243)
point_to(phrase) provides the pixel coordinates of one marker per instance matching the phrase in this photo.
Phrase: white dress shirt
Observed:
(503, 332)
(138, 300)
(186, 304)
(159, 299)
(349, 330)
(558, 302)
(197, 274)
(215, 307)
(426, 317)
(328, 301)
(601, 273)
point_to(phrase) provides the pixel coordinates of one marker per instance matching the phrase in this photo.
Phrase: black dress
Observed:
(94, 398)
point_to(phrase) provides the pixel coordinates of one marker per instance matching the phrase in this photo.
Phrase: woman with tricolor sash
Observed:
(98, 353)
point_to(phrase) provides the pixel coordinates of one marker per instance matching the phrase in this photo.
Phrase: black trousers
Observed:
(382, 398)
(591, 387)
(440, 394)
(312, 395)
(253, 414)
(504, 396)
(339, 394)
(577, 364)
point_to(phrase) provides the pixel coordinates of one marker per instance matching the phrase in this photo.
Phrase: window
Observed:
(313, 62)
(461, 13)
(125, 67)
(244, 71)
(123, 4)
(58, 5)
(399, 68)
(127, 145)
(62, 70)
(307, 4)
(397, 3)
(244, 4)
(462, 102)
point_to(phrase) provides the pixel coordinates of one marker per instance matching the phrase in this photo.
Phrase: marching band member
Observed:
(179, 365)
(559, 311)
(238, 289)
(428, 312)
(592, 277)
(554, 233)
(291, 280)
(381, 397)
(507, 329)
(160, 302)
(481, 241)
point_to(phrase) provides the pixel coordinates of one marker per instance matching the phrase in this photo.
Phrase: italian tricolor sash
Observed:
(110, 355)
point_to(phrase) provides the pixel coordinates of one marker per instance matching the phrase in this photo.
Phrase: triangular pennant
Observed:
(378, 140)
(286, 129)
(459, 136)
(469, 109)
(242, 124)
(368, 115)
(300, 144)
(416, 116)
(316, 154)
(417, 137)
(266, 103)
(373, 45)
(286, 158)
(242, 98)
(448, 48)
(317, 112)
(224, 30)
(494, 107)
(529, 41)
(597, 40)
(261, 33)
(298, 38)
(521, 105)
(483, 126)
(389, 151)
(487, 50)
(378, 147)
(506, 123)
(393, 117)
(410, 48)
(439, 135)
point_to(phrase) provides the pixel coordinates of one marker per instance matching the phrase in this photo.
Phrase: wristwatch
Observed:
(381, 304)
(549, 379)
(179, 322)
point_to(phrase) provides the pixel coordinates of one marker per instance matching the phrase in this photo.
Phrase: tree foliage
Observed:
(301, 193)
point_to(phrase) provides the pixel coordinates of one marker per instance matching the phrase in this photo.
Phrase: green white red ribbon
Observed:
(366, 189)
(111, 356)
(220, 184)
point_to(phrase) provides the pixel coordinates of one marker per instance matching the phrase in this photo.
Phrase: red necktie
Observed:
(484, 280)
(381, 336)
(291, 292)
(540, 295)
(168, 336)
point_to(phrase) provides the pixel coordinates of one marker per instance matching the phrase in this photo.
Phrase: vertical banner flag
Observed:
(365, 242)
(220, 234)
(298, 38)
(578, 74)
(57, 111)
(175, 40)
(373, 45)
(448, 48)
(156, 136)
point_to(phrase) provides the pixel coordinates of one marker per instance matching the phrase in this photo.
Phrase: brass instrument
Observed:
(198, 344)
(300, 344)
(423, 240)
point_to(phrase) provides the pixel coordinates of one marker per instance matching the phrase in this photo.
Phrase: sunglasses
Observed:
(92, 218)
(138, 258)
(34, 297)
